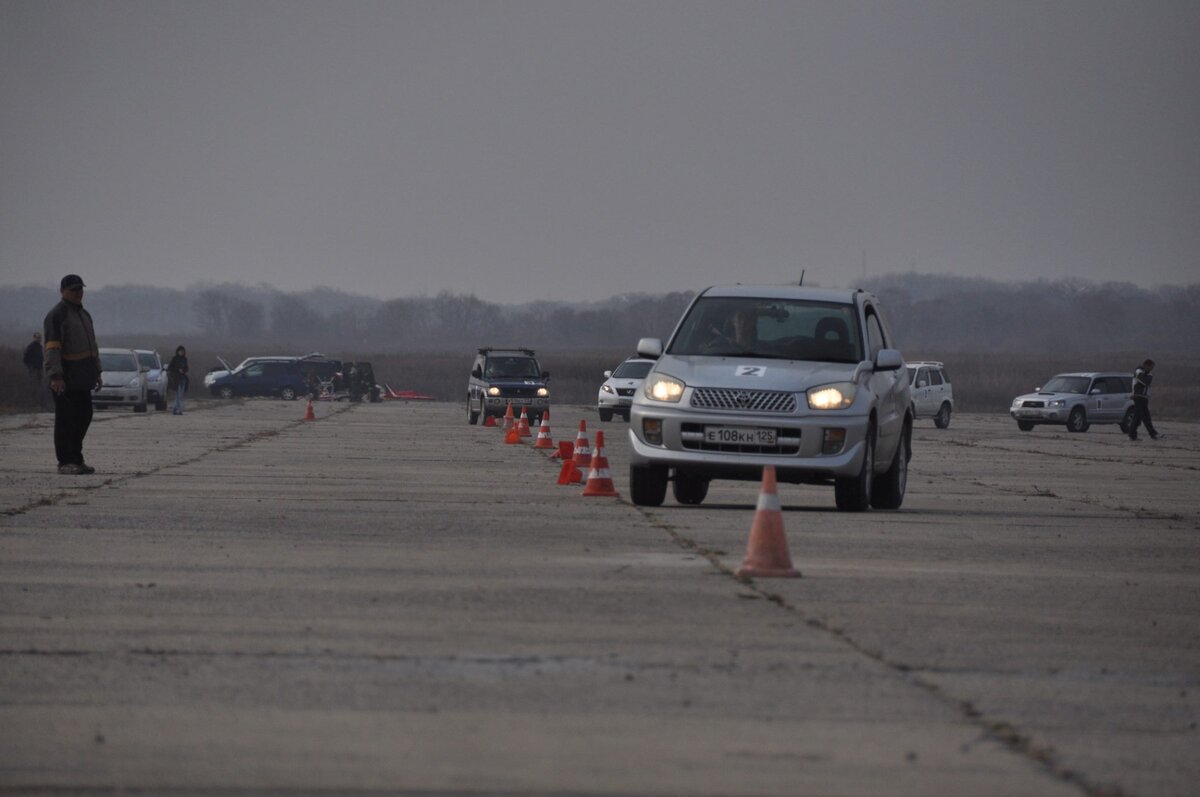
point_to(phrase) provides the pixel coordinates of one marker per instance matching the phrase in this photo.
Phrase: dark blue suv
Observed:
(287, 379)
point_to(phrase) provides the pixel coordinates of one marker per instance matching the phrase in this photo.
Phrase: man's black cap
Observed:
(70, 281)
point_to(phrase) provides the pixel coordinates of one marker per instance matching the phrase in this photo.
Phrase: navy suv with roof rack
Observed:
(500, 377)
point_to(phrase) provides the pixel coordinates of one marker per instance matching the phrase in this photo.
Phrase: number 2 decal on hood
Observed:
(751, 370)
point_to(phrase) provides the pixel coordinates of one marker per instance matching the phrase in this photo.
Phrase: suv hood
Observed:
(1049, 396)
(752, 372)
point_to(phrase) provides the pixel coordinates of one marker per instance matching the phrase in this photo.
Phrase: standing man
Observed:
(1142, 377)
(73, 368)
(33, 356)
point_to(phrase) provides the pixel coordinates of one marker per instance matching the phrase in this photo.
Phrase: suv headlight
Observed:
(606, 388)
(493, 391)
(837, 396)
(135, 382)
(543, 392)
(1057, 403)
(664, 388)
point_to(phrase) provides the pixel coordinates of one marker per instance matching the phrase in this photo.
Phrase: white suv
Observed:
(932, 393)
(805, 379)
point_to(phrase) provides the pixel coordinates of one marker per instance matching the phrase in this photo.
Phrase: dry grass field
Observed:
(983, 382)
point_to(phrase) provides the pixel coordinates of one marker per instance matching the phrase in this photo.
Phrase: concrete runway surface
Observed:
(389, 601)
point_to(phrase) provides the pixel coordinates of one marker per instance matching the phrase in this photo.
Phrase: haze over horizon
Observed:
(571, 151)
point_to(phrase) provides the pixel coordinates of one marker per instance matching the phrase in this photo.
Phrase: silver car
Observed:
(620, 385)
(124, 380)
(1077, 400)
(156, 377)
(805, 379)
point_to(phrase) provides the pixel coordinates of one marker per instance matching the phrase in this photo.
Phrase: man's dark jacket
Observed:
(71, 350)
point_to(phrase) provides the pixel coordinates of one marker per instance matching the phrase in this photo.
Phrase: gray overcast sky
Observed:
(573, 150)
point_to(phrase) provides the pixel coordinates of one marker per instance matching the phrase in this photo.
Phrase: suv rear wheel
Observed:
(647, 484)
(288, 394)
(689, 489)
(942, 419)
(853, 494)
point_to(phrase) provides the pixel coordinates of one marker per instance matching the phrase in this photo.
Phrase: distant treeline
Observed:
(929, 313)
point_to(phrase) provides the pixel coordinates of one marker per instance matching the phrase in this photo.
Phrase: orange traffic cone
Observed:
(543, 436)
(308, 412)
(599, 480)
(523, 425)
(489, 420)
(767, 551)
(583, 454)
(566, 450)
(513, 435)
(508, 418)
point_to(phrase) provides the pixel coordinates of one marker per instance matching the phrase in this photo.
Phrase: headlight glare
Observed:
(837, 396)
(543, 392)
(606, 388)
(493, 391)
(661, 387)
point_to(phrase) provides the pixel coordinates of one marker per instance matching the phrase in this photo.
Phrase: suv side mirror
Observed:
(650, 347)
(545, 374)
(608, 374)
(888, 360)
(1095, 391)
(477, 372)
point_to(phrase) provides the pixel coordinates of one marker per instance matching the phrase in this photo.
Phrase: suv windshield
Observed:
(115, 361)
(148, 359)
(512, 368)
(784, 329)
(1067, 384)
(632, 370)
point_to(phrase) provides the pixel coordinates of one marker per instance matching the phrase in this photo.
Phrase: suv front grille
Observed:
(722, 398)
(1034, 404)
(625, 391)
(691, 436)
(518, 392)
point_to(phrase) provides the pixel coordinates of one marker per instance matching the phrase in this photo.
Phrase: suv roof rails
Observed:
(490, 349)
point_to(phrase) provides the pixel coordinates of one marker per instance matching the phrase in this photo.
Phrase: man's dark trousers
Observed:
(72, 417)
(1141, 415)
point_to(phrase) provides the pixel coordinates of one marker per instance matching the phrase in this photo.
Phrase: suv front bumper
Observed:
(797, 457)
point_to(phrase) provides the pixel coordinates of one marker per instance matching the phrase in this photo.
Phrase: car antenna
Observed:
(803, 271)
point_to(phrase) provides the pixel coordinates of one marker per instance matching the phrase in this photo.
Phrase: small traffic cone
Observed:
(566, 450)
(543, 435)
(583, 454)
(767, 550)
(568, 473)
(599, 480)
(523, 425)
(508, 417)
(489, 420)
(513, 435)
(309, 415)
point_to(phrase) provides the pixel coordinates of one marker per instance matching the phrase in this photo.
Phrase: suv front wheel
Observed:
(472, 415)
(889, 488)
(853, 494)
(647, 484)
(1077, 421)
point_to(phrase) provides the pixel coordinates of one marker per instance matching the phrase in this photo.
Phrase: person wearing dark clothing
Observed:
(177, 378)
(33, 356)
(1142, 377)
(72, 366)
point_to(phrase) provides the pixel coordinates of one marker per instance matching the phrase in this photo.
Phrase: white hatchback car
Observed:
(932, 393)
(124, 380)
(620, 386)
(807, 380)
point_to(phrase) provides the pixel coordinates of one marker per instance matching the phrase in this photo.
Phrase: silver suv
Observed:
(1077, 400)
(932, 393)
(805, 379)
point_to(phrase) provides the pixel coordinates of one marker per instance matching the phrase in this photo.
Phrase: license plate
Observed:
(1030, 413)
(735, 435)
